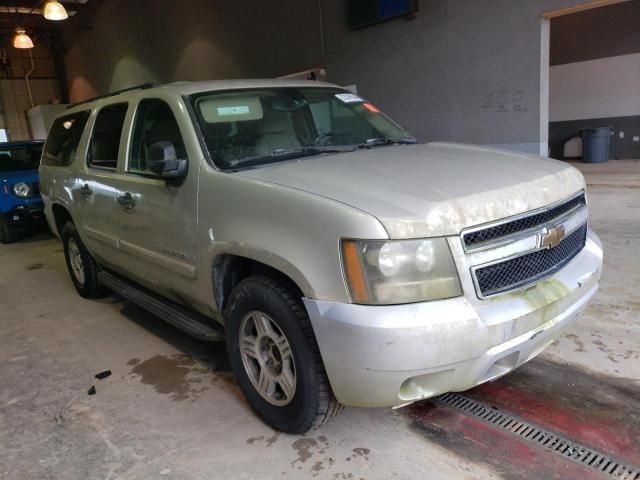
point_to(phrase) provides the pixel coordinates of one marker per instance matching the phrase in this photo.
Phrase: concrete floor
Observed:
(171, 409)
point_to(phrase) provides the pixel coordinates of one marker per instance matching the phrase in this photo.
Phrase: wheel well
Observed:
(229, 270)
(61, 216)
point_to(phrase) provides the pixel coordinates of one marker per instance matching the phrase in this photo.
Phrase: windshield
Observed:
(20, 157)
(254, 127)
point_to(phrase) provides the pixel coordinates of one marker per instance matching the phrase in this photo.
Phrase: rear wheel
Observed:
(81, 265)
(8, 234)
(275, 358)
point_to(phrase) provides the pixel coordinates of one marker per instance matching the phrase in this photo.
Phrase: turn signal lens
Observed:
(353, 271)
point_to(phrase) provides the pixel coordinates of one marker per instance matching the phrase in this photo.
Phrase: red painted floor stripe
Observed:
(599, 413)
(589, 414)
(512, 457)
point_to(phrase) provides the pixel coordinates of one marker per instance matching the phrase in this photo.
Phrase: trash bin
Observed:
(595, 144)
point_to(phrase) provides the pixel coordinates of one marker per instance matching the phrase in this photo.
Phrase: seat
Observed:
(277, 132)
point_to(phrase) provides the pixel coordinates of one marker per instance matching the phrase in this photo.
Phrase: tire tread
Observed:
(328, 405)
(92, 287)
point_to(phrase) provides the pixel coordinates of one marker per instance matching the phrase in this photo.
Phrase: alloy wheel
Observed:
(267, 358)
(75, 259)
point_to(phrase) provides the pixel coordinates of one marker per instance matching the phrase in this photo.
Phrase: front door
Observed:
(94, 191)
(157, 219)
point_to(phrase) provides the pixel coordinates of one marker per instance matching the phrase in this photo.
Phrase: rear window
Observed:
(20, 157)
(63, 139)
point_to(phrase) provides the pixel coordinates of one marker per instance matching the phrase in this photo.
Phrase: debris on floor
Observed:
(103, 374)
(92, 390)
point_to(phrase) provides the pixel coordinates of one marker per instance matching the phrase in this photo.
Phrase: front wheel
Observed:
(8, 234)
(81, 265)
(275, 358)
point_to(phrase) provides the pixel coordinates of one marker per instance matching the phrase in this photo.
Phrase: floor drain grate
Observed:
(544, 438)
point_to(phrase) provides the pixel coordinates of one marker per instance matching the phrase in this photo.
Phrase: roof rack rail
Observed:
(142, 86)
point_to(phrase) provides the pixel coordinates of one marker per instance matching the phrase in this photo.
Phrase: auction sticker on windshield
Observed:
(348, 97)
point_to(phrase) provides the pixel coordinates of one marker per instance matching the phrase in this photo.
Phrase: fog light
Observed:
(427, 385)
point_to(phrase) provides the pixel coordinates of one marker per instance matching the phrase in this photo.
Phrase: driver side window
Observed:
(340, 121)
(154, 122)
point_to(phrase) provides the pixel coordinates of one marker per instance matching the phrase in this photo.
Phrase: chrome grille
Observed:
(531, 267)
(474, 238)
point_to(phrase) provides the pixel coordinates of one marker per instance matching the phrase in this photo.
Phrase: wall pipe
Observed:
(26, 79)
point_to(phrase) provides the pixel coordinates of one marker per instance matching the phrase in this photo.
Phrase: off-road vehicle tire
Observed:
(257, 300)
(83, 269)
(8, 234)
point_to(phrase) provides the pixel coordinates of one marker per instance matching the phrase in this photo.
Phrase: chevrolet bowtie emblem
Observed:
(553, 237)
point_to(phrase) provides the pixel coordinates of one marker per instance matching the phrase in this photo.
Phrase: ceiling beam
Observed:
(36, 5)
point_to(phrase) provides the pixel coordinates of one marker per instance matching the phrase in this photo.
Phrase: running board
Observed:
(194, 324)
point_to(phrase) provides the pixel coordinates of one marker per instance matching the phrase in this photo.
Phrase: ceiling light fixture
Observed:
(54, 10)
(21, 39)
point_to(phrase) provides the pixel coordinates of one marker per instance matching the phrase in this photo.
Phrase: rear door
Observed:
(95, 190)
(157, 219)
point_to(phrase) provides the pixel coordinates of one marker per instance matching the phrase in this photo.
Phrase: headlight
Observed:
(387, 272)
(21, 189)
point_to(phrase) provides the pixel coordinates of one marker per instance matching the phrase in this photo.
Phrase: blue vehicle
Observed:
(21, 208)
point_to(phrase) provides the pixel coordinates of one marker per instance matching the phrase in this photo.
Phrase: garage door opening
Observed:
(590, 63)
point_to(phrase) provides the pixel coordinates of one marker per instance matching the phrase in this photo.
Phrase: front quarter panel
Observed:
(291, 230)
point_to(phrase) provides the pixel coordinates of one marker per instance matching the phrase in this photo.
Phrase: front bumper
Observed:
(379, 356)
(26, 217)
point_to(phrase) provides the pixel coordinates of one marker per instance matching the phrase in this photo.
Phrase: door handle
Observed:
(85, 191)
(126, 200)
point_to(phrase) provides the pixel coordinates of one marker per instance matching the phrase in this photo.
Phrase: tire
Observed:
(8, 234)
(82, 268)
(266, 302)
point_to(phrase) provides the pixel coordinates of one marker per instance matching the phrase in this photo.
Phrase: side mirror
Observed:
(164, 163)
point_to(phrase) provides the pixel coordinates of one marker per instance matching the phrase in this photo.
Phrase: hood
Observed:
(28, 176)
(432, 189)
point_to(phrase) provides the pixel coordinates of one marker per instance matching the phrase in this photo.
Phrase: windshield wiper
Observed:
(313, 149)
(376, 142)
(291, 153)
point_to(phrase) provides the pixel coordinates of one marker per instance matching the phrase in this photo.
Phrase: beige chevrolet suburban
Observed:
(342, 261)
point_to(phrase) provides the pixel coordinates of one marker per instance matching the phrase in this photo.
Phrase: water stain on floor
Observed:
(304, 447)
(269, 441)
(178, 376)
(578, 342)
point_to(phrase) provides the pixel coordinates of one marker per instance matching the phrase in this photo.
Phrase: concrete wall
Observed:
(598, 33)
(606, 87)
(463, 70)
(140, 41)
(595, 77)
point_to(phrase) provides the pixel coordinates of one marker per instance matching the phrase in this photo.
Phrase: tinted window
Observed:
(154, 122)
(63, 139)
(19, 157)
(105, 141)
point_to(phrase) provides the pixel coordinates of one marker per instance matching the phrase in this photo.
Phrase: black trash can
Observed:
(595, 144)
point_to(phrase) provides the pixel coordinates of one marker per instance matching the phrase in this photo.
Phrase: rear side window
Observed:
(63, 139)
(105, 140)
